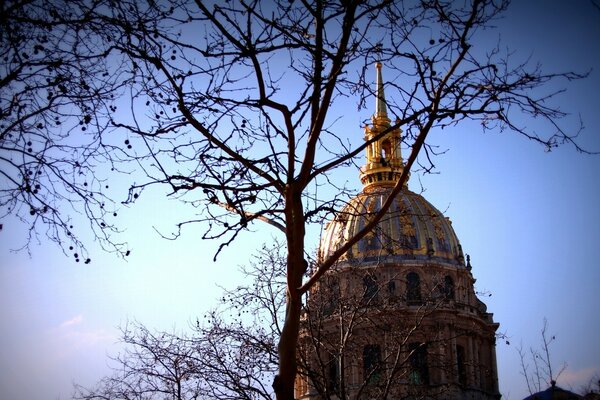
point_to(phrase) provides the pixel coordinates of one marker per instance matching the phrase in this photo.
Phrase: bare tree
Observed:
(152, 365)
(539, 372)
(592, 387)
(57, 84)
(233, 107)
(536, 366)
(231, 353)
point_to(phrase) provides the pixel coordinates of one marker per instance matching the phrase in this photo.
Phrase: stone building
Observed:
(397, 317)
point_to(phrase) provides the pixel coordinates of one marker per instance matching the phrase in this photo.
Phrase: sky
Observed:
(529, 219)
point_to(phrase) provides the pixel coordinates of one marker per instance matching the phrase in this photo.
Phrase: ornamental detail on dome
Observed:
(412, 229)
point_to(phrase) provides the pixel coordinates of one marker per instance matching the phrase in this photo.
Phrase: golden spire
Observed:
(384, 160)
(380, 106)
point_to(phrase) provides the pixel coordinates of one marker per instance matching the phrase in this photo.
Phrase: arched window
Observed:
(460, 364)
(419, 372)
(386, 150)
(372, 363)
(413, 288)
(370, 288)
(331, 295)
(391, 285)
(448, 288)
(333, 374)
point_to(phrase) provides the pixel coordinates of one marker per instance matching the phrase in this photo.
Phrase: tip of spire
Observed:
(380, 105)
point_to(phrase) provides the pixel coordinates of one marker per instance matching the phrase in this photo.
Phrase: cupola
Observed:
(384, 163)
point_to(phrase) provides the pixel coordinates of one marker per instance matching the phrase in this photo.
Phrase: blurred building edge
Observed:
(556, 393)
(397, 317)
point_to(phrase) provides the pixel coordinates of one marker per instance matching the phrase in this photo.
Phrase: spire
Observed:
(384, 161)
(380, 115)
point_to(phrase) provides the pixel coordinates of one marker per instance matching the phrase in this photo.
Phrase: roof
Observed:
(412, 229)
(554, 393)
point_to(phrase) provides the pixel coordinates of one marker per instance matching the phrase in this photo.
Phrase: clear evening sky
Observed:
(529, 219)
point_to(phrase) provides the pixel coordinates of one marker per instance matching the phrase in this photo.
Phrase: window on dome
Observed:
(331, 295)
(386, 150)
(373, 240)
(448, 288)
(413, 288)
(419, 373)
(372, 363)
(370, 288)
(408, 242)
(391, 287)
(460, 364)
(333, 374)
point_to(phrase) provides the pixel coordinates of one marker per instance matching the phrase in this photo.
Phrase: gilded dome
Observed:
(412, 229)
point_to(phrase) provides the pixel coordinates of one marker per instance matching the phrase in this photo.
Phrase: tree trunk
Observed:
(283, 383)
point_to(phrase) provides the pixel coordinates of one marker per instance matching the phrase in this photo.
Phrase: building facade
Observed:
(397, 317)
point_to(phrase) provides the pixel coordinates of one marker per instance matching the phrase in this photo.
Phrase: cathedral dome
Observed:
(411, 229)
(403, 290)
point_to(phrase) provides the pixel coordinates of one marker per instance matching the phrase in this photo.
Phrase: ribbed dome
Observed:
(412, 229)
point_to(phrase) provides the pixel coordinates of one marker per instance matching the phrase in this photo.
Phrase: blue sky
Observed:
(529, 219)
